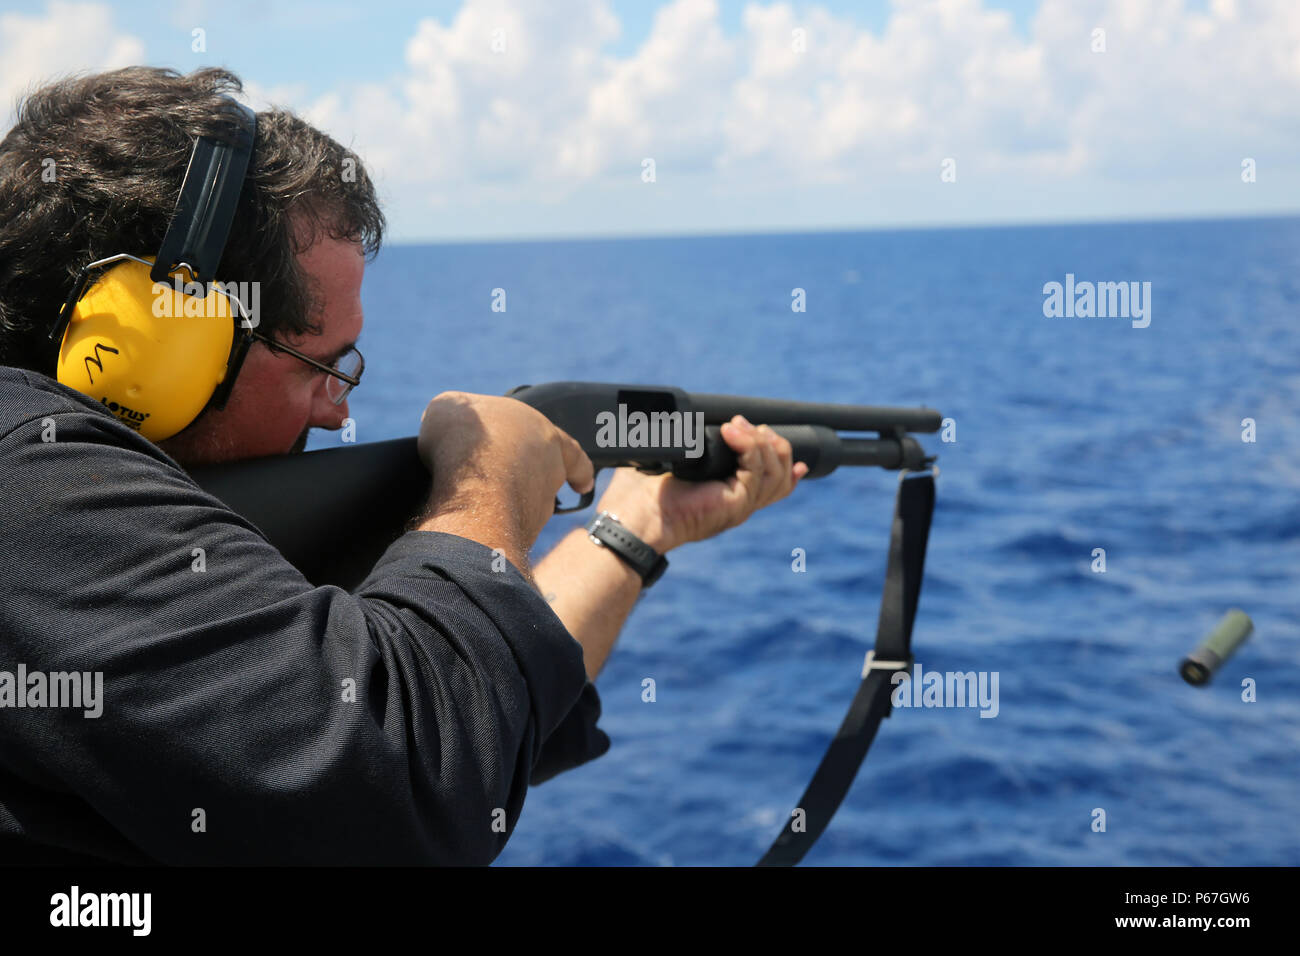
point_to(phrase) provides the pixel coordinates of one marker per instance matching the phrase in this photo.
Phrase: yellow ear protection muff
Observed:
(152, 343)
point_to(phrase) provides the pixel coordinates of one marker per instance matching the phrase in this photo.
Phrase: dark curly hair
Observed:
(120, 142)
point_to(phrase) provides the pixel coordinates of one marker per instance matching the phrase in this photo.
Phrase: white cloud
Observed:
(68, 38)
(943, 78)
(1178, 93)
(1174, 87)
(668, 101)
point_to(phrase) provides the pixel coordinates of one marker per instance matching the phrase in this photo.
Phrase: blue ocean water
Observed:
(1071, 434)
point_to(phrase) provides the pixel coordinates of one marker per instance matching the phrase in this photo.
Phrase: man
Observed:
(245, 716)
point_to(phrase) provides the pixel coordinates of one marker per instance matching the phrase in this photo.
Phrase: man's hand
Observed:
(497, 464)
(666, 512)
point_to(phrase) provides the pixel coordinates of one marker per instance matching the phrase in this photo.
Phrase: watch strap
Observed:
(606, 529)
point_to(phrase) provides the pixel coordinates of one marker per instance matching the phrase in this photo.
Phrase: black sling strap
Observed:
(871, 704)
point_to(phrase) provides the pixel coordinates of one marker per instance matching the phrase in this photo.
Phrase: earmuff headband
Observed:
(206, 206)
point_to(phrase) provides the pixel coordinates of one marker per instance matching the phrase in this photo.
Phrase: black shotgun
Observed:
(333, 512)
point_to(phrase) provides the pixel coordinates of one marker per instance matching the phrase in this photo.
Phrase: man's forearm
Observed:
(591, 589)
(490, 527)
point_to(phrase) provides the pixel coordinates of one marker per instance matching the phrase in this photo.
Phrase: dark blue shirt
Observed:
(247, 716)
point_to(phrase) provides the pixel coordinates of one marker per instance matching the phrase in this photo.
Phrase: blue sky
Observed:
(912, 112)
(254, 34)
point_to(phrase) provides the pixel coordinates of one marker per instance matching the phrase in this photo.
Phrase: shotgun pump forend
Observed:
(658, 428)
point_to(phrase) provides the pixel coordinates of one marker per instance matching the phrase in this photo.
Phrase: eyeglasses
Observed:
(345, 374)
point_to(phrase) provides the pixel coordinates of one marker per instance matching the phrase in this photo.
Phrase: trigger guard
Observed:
(583, 502)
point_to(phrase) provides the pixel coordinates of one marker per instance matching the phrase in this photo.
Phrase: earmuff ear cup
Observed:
(152, 355)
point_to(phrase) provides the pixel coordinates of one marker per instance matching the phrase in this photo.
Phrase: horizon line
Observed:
(775, 232)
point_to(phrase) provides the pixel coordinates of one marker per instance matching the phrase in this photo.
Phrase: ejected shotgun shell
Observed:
(1199, 666)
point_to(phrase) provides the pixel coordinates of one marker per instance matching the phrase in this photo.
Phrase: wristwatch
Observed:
(607, 531)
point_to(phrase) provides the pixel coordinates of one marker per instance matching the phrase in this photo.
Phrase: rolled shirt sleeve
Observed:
(247, 716)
